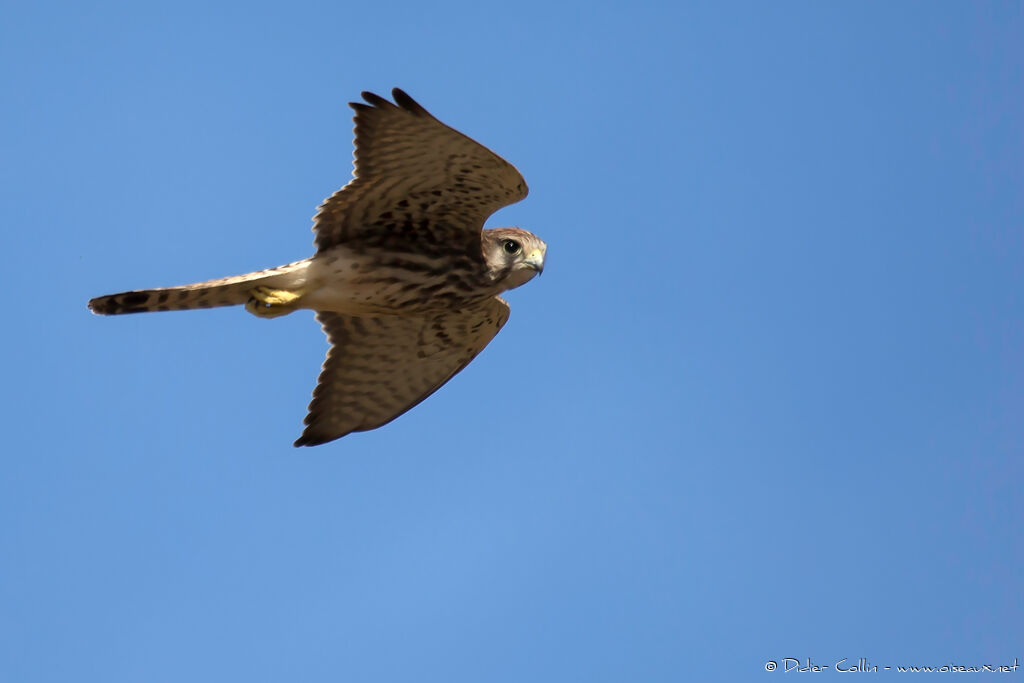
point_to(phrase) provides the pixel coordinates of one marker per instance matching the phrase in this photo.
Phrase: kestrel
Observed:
(405, 281)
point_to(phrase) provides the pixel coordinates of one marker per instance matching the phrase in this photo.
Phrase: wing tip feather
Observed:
(305, 440)
(407, 103)
(402, 101)
(375, 100)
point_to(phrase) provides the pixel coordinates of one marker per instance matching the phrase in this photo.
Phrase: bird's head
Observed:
(513, 256)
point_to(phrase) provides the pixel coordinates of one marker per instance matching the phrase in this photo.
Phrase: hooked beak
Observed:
(536, 261)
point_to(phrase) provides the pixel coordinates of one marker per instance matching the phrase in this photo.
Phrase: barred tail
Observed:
(229, 291)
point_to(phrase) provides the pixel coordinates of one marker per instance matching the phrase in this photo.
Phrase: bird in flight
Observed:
(405, 281)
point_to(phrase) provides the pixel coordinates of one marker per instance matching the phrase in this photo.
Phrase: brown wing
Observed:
(378, 368)
(412, 174)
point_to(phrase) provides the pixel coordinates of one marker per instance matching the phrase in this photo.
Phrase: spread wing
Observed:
(378, 368)
(413, 174)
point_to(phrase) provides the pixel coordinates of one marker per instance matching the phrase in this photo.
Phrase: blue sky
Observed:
(765, 401)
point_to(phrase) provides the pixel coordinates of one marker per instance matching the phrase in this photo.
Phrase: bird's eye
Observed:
(512, 247)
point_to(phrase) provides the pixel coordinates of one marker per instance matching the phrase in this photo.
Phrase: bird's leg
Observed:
(267, 302)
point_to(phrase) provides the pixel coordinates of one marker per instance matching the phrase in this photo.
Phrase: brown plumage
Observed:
(405, 281)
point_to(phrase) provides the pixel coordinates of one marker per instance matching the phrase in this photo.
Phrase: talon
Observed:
(271, 303)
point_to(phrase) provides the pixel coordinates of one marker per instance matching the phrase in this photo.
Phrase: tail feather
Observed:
(229, 291)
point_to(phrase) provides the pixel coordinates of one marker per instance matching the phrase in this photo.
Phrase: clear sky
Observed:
(766, 400)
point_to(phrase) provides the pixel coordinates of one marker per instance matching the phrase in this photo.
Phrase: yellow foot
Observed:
(270, 303)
